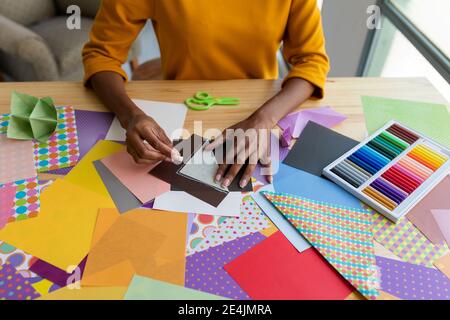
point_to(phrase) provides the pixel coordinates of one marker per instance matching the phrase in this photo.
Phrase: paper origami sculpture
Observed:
(31, 118)
(341, 234)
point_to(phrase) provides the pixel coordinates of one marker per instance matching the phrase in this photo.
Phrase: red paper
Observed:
(275, 270)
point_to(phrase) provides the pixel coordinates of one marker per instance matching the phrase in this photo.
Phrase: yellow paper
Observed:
(84, 173)
(61, 234)
(153, 242)
(443, 264)
(270, 230)
(88, 293)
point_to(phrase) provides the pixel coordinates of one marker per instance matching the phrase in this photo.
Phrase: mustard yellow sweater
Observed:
(213, 39)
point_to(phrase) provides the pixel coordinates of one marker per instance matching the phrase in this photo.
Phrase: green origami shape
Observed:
(31, 118)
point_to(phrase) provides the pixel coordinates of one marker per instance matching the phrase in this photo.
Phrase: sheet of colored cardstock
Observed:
(204, 270)
(443, 264)
(412, 282)
(275, 270)
(135, 176)
(13, 286)
(19, 259)
(122, 197)
(16, 160)
(60, 277)
(405, 240)
(91, 127)
(304, 184)
(61, 149)
(143, 288)
(420, 215)
(180, 201)
(202, 225)
(84, 173)
(62, 234)
(442, 218)
(343, 235)
(151, 242)
(297, 121)
(429, 119)
(316, 148)
(7, 195)
(43, 286)
(169, 116)
(27, 199)
(87, 293)
(288, 230)
(250, 220)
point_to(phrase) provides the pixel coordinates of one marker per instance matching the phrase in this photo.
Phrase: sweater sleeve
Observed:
(304, 45)
(116, 26)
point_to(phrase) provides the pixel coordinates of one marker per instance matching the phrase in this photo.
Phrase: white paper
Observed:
(289, 231)
(169, 116)
(180, 201)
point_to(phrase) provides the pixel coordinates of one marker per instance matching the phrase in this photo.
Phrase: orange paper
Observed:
(147, 242)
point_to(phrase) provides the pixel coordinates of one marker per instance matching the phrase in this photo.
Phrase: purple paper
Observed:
(277, 155)
(54, 274)
(204, 270)
(91, 126)
(412, 282)
(13, 286)
(324, 116)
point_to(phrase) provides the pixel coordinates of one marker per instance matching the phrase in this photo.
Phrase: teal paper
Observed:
(432, 120)
(31, 118)
(142, 288)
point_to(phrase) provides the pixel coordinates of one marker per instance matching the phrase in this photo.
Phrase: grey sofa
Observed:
(35, 43)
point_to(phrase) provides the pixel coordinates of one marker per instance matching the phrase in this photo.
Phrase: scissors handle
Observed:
(198, 105)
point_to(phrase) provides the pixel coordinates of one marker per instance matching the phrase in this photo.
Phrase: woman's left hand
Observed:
(250, 140)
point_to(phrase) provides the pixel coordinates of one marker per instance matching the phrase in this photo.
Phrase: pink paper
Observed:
(324, 116)
(135, 176)
(16, 160)
(7, 194)
(442, 218)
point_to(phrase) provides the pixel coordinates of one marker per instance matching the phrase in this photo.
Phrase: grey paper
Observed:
(122, 197)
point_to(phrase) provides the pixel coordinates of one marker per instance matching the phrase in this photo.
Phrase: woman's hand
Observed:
(251, 144)
(147, 142)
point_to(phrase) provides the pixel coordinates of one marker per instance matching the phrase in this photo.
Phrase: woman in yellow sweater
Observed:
(210, 40)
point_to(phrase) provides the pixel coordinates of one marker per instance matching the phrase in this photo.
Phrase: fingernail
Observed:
(218, 178)
(270, 179)
(176, 156)
(243, 183)
(226, 183)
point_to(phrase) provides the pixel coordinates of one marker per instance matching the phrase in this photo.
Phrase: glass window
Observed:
(430, 17)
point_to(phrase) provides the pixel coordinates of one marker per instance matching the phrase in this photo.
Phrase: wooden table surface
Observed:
(343, 94)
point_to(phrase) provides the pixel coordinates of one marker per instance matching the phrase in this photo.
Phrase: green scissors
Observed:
(204, 101)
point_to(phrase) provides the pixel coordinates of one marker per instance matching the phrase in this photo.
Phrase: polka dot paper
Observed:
(16, 159)
(202, 226)
(251, 220)
(20, 260)
(7, 194)
(13, 286)
(412, 282)
(204, 270)
(26, 201)
(61, 150)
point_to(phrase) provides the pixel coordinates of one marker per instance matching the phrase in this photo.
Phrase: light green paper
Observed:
(432, 120)
(31, 118)
(143, 288)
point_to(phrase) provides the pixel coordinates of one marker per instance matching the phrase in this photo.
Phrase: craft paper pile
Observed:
(146, 242)
(274, 270)
(342, 235)
(62, 234)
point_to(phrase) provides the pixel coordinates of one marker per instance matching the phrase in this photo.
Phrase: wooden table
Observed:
(343, 94)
